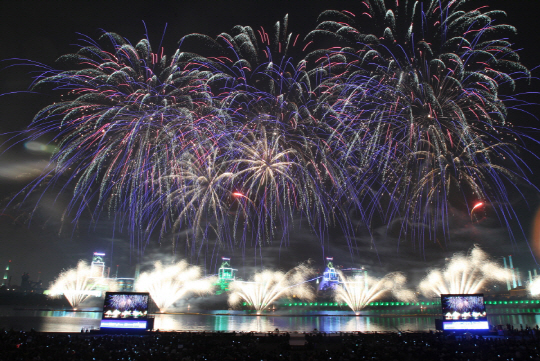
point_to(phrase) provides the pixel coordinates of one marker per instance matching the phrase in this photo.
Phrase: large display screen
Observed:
(125, 310)
(464, 312)
(124, 324)
(125, 305)
(465, 325)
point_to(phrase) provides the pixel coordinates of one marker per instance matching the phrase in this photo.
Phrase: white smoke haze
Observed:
(22, 170)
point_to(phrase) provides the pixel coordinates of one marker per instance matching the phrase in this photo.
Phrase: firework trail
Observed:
(197, 194)
(168, 284)
(120, 118)
(268, 286)
(286, 161)
(463, 275)
(145, 140)
(233, 147)
(358, 293)
(428, 79)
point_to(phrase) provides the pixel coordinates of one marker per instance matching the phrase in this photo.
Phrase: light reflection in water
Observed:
(241, 321)
(330, 323)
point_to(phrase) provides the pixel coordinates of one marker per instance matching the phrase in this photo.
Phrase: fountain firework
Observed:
(463, 275)
(267, 286)
(534, 287)
(358, 293)
(167, 284)
(76, 284)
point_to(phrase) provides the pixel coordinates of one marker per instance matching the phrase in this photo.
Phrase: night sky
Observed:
(41, 31)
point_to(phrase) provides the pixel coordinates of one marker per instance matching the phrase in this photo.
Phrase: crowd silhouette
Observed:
(517, 344)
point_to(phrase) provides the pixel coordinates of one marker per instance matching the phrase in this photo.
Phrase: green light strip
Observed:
(333, 304)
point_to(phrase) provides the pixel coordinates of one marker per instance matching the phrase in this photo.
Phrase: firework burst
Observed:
(405, 107)
(121, 116)
(428, 80)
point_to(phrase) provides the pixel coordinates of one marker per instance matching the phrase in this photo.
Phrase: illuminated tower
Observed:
(226, 275)
(97, 268)
(5, 281)
(330, 277)
(518, 277)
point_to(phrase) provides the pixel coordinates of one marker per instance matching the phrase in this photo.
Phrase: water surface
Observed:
(245, 321)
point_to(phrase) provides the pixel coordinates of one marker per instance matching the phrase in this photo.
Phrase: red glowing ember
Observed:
(479, 204)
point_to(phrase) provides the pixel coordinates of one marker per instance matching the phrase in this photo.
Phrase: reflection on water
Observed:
(243, 321)
(336, 322)
(48, 321)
